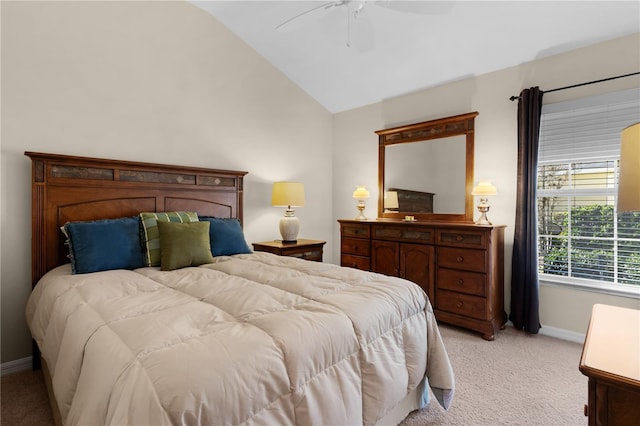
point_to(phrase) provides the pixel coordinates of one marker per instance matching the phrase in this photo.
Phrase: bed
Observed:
(236, 338)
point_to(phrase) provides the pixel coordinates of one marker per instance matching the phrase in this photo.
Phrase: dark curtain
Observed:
(524, 277)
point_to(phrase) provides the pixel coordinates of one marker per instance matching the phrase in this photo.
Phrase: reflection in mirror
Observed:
(428, 176)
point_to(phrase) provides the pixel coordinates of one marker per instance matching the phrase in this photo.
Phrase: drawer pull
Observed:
(459, 238)
(459, 304)
(460, 282)
(460, 259)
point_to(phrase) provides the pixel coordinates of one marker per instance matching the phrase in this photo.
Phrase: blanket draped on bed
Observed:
(248, 339)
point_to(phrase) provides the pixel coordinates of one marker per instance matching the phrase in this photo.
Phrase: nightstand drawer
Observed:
(461, 304)
(462, 281)
(455, 238)
(358, 262)
(466, 259)
(302, 249)
(315, 254)
(357, 246)
(354, 230)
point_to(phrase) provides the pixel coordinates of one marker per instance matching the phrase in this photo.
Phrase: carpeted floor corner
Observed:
(24, 400)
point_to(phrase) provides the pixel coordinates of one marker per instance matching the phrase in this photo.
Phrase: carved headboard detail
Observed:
(69, 188)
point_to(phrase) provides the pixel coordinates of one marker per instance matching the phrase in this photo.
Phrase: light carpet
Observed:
(518, 379)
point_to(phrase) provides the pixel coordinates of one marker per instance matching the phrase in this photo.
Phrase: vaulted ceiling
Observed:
(354, 53)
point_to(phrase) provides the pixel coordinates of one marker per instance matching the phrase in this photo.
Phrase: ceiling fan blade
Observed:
(308, 16)
(418, 7)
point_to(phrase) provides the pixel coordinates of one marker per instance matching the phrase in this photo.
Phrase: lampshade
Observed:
(484, 188)
(391, 200)
(360, 193)
(629, 183)
(287, 194)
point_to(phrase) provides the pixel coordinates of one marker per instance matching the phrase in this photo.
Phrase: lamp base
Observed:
(361, 207)
(289, 227)
(483, 220)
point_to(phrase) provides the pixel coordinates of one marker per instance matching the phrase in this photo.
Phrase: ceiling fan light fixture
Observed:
(355, 9)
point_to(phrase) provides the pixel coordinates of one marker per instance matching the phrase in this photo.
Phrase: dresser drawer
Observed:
(409, 233)
(462, 281)
(459, 238)
(461, 304)
(357, 246)
(313, 254)
(358, 262)
(355, 230)
(459, 258)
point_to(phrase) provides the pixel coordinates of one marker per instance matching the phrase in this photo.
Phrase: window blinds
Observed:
(587, 128)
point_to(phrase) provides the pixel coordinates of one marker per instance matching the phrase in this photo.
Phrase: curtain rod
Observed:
(513, 98)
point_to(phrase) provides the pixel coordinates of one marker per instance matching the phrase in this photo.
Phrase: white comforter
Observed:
(249, 339)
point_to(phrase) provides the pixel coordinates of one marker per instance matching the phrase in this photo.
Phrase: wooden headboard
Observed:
(69, 188)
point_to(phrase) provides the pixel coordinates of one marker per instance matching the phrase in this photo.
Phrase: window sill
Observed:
(620, 290)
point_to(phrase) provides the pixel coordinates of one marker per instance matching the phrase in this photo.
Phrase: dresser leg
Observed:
(489, 337)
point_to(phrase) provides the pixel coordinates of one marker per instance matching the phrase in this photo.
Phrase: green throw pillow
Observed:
(184, 244)
(151, 235)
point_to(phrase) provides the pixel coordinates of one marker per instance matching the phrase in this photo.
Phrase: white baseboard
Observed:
(558, 333)
(16, 366)
(563, 334)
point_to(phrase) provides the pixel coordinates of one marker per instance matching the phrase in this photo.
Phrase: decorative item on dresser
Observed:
(459, 265)
(611, 360)
(303, 249)
(361, 193)
(483, 190)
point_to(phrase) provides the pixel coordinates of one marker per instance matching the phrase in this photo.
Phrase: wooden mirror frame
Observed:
(462, 124)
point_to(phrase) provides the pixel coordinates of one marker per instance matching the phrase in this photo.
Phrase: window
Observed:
(582, 240)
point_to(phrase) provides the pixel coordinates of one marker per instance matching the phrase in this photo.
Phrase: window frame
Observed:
(570, 191)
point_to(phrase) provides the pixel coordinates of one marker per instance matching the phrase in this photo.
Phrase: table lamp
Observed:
(484, 189)
(361, 194)
(288, 194)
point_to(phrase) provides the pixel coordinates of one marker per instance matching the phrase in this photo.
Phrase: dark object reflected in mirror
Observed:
(414, 201)
(430, 167)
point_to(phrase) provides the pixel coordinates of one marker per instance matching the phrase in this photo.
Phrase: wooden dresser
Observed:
(459, 265)
(611, 360)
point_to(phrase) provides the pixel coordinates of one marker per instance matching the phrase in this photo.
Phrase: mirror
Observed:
(426, 170)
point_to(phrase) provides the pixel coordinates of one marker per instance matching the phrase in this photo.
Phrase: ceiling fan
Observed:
(355, 16)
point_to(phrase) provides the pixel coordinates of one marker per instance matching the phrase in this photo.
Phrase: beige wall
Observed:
(147, 81)
(355, 145)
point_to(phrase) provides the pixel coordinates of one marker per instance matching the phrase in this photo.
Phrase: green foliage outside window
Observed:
(591, 253)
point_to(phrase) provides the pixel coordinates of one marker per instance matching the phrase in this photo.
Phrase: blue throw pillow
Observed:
(104, 245)
(226, 236)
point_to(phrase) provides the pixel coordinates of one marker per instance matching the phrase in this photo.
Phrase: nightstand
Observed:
(303, 249)
(610, 358)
